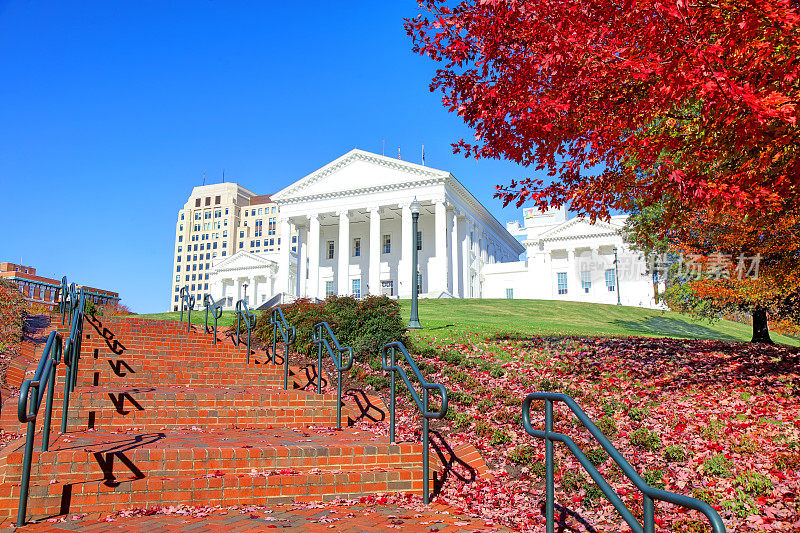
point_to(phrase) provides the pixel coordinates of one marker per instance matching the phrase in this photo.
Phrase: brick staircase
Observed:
(162, 416)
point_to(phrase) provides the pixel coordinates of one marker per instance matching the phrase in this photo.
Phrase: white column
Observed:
(404, 266)
(254, 292)
(302, 252)
(440, 246)
(312, 287)
(283, 257)
(467, 255)
(572, 289)
(342, 288)
(454, 253)
(374, 251)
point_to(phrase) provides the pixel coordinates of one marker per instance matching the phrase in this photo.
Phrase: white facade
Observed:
(350, 228)
(572, 260)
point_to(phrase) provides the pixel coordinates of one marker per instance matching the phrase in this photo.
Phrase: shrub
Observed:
(597, 456)
(654, 478)
(366, 324)
(483, 429)
(742, 504)
(462, 421)
(549, 385)
(522, 455)
(572, 481)
(754, 483)
(12, 312)
(499, 437)
(705, 495)
(714, 429)
(637, 414)
(718, 465)
(608, 426)
(645, 439)
(593, 493)
(745, 444)
(463, 398)
(674, 454)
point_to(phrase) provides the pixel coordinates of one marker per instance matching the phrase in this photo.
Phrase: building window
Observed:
(187, 277)
(586, 280)
(241, 234)
(217, 200)
(509, 294)
(329, 289)
(208, 200)
(224, 245)
(387, 288)
(176, 298)
(223, 253)
(611, 284)
(356, 288)
(241, 245)
(562, 283)
(180, 238)
(178, 268)
(357, 247)
(387, 244)
(331, 249)
(197, 202)
(245, 212)
(419, 240)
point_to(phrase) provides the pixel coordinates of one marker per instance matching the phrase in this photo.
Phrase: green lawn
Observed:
(452, 318)
(448, 318)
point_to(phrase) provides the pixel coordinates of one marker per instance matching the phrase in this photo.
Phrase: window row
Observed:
(586, 281)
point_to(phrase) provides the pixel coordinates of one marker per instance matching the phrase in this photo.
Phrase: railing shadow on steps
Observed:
(335, 352)
(244, 316)
(32, 390)
(390, 365)
(187, 302)
(288, 334)
(649, 494)
(216, 313)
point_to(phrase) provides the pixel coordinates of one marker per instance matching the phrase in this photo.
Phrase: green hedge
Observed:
(365, 324)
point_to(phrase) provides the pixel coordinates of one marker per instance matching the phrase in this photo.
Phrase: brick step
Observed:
(134, 370)
(149, 408)
(270, 488)
(106, 455)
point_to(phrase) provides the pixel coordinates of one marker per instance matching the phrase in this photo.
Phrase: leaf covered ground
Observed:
(715, 420)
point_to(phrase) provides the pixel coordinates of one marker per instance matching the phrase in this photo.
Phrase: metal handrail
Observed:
(32, 390)
(648, 493)
(187, 300)
(245, 315)
(216, 312)
(422, 405)
(62, 301)
(288, 334)
(336, 356)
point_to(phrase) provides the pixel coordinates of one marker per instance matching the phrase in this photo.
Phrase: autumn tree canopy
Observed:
(702, 94)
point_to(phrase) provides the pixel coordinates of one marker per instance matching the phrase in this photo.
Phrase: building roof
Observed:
(261, 199)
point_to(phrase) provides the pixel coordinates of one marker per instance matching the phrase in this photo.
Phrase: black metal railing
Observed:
(216, 313)
(288, 334)
(422, 404)
(187, 302)
(649, 494)
(244, 316)
(32, 390)
(335, 352)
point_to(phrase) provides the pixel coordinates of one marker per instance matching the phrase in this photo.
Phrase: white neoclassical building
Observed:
(572, 259)
(351, 229)
(346, 229)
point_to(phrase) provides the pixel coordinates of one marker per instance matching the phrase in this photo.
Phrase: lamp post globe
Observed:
(413, 322)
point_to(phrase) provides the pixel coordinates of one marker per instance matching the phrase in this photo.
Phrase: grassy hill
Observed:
(453, 318)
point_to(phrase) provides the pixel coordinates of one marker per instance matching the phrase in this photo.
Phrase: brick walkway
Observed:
(344, 518)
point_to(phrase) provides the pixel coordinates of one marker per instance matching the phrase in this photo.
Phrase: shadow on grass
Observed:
(672, 327)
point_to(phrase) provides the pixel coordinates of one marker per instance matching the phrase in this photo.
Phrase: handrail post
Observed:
(319, 359)
(274, 342)
(248, 342)
(27, 458)
(51, 386)
(425, 444)
(338, 390)
(549, 482)
(392, 399)
(286, 361)
(67, 383)
(648, 509)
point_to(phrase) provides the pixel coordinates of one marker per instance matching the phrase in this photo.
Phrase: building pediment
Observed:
(580, 228)
(245, 261)
(358, 172)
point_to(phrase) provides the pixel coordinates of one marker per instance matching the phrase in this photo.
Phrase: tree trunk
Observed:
(760, 326)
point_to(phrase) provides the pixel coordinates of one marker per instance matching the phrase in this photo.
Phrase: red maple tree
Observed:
(702, 94)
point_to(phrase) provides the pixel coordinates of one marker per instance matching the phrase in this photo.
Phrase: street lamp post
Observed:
(244, 286)
(616, 273)
(413, 322)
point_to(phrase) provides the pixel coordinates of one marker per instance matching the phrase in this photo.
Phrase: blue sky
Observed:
(112, 111)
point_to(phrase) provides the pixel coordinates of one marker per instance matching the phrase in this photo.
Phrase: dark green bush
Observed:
(366, 324)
